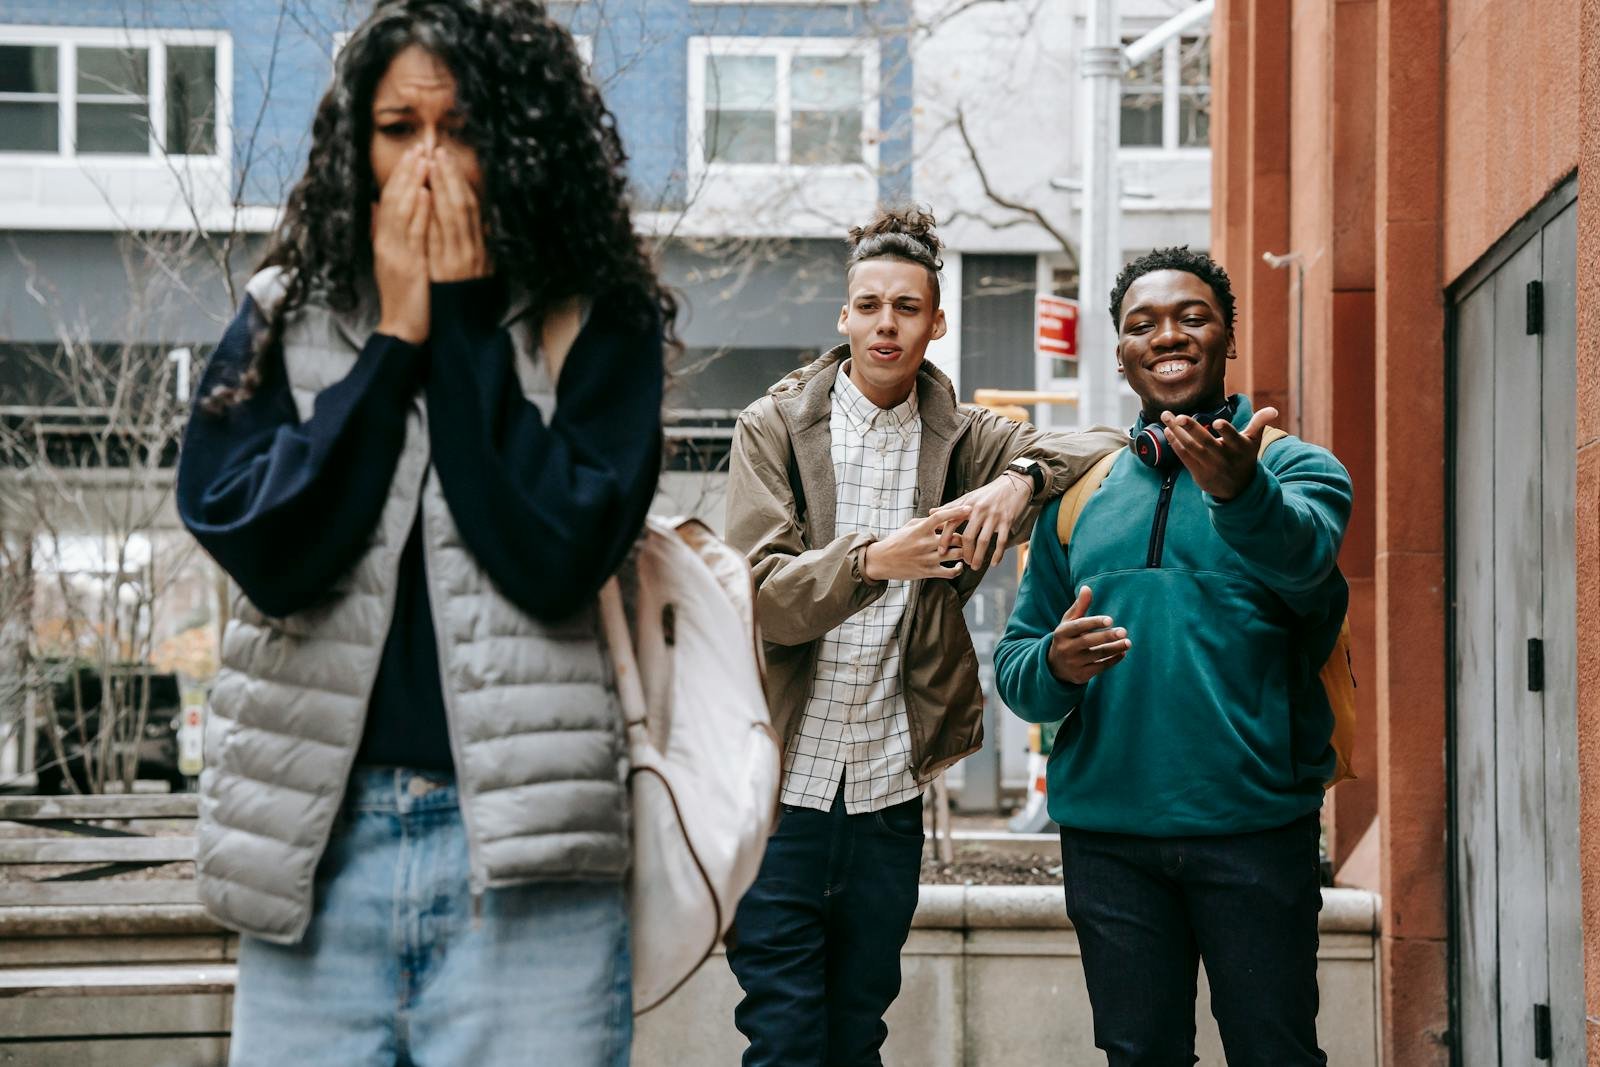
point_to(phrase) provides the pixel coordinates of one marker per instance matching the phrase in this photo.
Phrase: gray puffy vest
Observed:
(535, 729)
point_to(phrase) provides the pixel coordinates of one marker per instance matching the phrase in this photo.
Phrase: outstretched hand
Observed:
(1222, 463)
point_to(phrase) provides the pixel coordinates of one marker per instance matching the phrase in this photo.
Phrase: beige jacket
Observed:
(808, 580)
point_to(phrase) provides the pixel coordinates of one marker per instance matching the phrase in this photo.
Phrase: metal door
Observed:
(1518, 970)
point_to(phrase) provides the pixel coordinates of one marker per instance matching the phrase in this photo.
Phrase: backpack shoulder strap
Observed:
(1269, 437)
(1078, 493)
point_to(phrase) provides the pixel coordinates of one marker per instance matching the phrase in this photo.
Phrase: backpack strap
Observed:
(1077, 496)
(1269, 437)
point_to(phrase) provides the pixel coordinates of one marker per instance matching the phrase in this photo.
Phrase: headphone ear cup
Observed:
(1151, 447)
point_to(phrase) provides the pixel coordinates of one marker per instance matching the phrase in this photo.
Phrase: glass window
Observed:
(30, 106)
(741, 109)
(825, 101)
(191, 100)
(114, 100)
(1194, 93)
(1141, 103)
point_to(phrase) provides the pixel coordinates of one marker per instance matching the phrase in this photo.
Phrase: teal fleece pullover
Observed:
(1215, 722)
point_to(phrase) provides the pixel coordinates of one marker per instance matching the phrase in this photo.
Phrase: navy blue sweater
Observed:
(548, 510)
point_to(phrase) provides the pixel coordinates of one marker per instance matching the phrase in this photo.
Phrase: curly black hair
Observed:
(1181, 258)
(555, 205)
(904, 233)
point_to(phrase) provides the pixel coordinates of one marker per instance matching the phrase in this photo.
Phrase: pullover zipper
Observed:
(1158, 529)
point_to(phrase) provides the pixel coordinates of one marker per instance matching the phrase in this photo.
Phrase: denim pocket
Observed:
(901, 820)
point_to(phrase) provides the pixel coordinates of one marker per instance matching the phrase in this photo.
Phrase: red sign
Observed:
(1056, 326)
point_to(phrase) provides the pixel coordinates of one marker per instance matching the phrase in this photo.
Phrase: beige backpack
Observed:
(704, 760)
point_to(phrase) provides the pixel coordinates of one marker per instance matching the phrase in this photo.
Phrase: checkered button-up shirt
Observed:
(854, 724)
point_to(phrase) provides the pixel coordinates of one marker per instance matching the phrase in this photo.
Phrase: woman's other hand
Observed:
(400, 223)
(456, 251)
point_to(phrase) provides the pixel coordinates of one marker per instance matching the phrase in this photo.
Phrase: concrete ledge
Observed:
(940, 907)
(1041, 907)
(115, 920)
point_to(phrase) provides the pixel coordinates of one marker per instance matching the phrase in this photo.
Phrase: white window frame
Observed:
(68, 39)
(783, 49)
(1171, 109)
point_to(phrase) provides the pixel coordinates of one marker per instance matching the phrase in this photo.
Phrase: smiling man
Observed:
(870, 504)
(1188, 774)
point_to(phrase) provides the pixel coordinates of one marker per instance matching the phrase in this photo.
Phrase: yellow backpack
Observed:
(1337, 676)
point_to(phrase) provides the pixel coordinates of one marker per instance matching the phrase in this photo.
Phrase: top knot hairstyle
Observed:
(906, 234)
(1181, 258)
(554, 203)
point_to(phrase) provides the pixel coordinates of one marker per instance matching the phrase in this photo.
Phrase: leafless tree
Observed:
(87, 484)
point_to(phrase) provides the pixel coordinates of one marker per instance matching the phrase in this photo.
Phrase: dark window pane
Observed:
(122, 128)
(27, 68)
(1141, 120)
(821, 137)
(724, 380)
(1194, 102)
(741, 137)
(29, 127)
(113, 71)
(191, 100)
(1141, 103)
(1194, 120)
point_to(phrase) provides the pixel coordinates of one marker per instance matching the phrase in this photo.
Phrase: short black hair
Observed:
(1181, 258)
(905, 233)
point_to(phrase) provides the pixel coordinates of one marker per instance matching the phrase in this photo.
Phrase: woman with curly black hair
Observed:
(431, 433)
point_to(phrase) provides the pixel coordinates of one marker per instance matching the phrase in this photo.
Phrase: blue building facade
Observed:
(751, 168)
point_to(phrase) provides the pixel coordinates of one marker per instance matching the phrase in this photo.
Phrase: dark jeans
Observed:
(817, 939)
(1147, 910)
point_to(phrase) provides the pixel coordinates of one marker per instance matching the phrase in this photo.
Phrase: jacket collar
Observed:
(805, 400)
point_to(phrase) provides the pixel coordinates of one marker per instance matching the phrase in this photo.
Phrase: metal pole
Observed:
(1101, 253)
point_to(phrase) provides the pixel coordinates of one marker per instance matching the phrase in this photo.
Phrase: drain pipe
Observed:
(1100, 250)
(1278, 262)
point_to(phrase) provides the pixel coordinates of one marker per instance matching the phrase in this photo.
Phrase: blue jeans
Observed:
(398, 970)
(816, 941)
(1147, 910)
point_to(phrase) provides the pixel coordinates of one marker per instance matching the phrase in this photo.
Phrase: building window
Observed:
(192, 100)
(74, 92)
(30, 103)
(114, 100)
(741, 109)
(783, 101)
(1166, 100)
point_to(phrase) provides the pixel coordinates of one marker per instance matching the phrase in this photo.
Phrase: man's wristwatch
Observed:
(1029, 469)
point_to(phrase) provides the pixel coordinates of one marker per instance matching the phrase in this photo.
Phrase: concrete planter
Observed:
(992, 977)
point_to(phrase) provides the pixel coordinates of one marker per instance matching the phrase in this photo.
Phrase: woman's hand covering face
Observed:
(456, 249)
(400, 223)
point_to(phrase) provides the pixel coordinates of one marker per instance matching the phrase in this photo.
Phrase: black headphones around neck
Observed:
(1151, 446)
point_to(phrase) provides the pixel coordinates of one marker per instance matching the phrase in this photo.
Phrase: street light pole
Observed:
(1099, 248)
